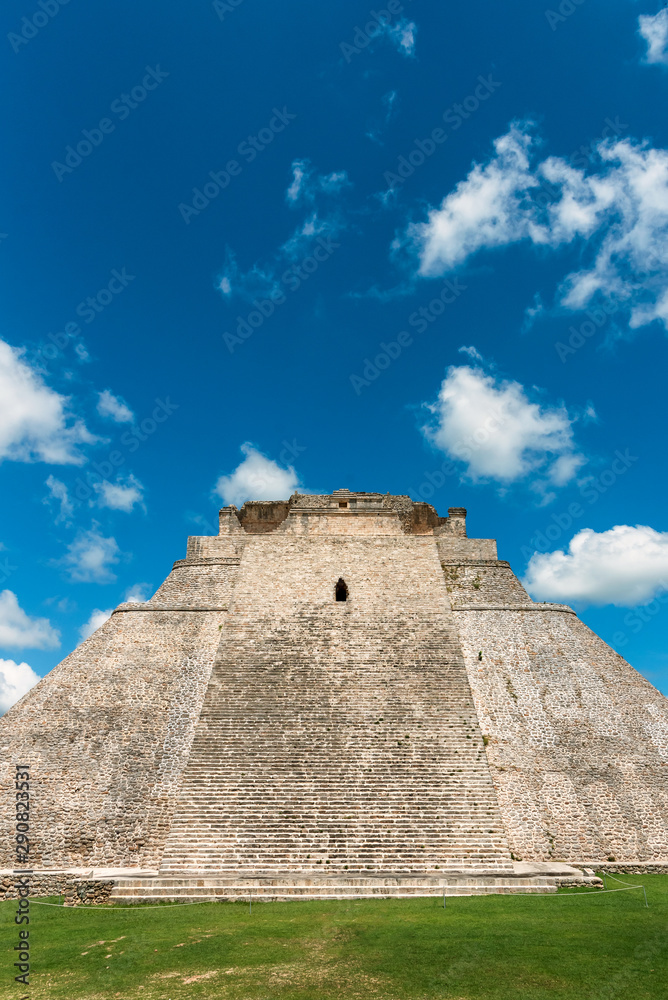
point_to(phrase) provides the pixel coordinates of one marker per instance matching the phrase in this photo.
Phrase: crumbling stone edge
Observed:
(76, 891)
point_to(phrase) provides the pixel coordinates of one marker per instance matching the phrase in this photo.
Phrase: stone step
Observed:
(353, 740)
(314, 886)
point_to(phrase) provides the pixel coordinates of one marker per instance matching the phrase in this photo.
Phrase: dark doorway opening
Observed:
(341, 591)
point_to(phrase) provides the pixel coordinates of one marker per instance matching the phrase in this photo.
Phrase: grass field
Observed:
(577, 945)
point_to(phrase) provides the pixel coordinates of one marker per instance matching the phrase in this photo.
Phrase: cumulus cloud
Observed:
(123, 494)
(19, 631)
(625, 566)
(35, 422)
(58, 494)
(16, 679)
(257, 478)
(96, 619)
(90, 556)
(617, 215)
(499, 433)
(114, 407)
(654, 30)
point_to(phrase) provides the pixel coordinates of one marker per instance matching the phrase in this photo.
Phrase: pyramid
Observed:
(340, 683)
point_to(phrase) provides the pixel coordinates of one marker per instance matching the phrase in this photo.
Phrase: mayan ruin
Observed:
(335, 685)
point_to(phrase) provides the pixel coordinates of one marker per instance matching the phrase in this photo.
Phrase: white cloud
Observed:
(114, 407)
(625, 566)
(499, 433)
(89, 557)
(300, 173)
(138, 593)
(16, 679)
(306, 184)
(35, 424)
(96, 619)
(402, 35)
(617, 214)
(654, 29)
(487, 209)
(257, 478)
(19, 631)
(58, 493)
(472, 352)
(120, 495)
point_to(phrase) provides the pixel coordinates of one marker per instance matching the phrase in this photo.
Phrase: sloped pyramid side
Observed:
(577, 740)
(108, 731)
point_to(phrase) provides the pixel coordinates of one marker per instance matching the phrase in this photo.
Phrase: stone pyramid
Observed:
(340, 683)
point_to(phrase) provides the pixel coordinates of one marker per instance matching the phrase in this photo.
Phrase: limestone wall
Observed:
(107, 734)
(199, 582)
(455, 548)
(577, 740)
(483, 582)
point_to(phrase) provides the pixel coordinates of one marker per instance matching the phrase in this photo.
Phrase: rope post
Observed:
(645, 891)
(443, 897)
(605, 884)
(250, 901)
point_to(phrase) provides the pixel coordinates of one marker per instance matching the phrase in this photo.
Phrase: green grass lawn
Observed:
(578, 945)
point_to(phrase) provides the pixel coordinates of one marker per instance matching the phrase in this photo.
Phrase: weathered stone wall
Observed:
(576, 739)
(107, 734)
(75, 890)
(454, 548)
(483, 582)
(199, 582)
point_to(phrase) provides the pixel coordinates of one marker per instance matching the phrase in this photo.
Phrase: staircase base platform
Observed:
(194, 886)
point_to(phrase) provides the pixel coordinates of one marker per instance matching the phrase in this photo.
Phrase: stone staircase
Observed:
(341, 735)
(296, 763)
(273, 888)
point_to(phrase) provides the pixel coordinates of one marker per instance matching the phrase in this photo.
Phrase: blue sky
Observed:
(249, 247)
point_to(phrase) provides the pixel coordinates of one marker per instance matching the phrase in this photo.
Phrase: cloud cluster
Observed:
(35, 423)
(16, 679)
(19, 631)
(654, 29)
(256, 478)
(499, 433)
(90, 556)
(625, 566)
(114, 408)
(403, 36)
(122, 494)
(617, 215)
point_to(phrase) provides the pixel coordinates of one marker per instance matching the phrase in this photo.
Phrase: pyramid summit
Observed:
(340, 683)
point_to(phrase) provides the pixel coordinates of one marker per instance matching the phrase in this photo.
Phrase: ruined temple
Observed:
(336, 685)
